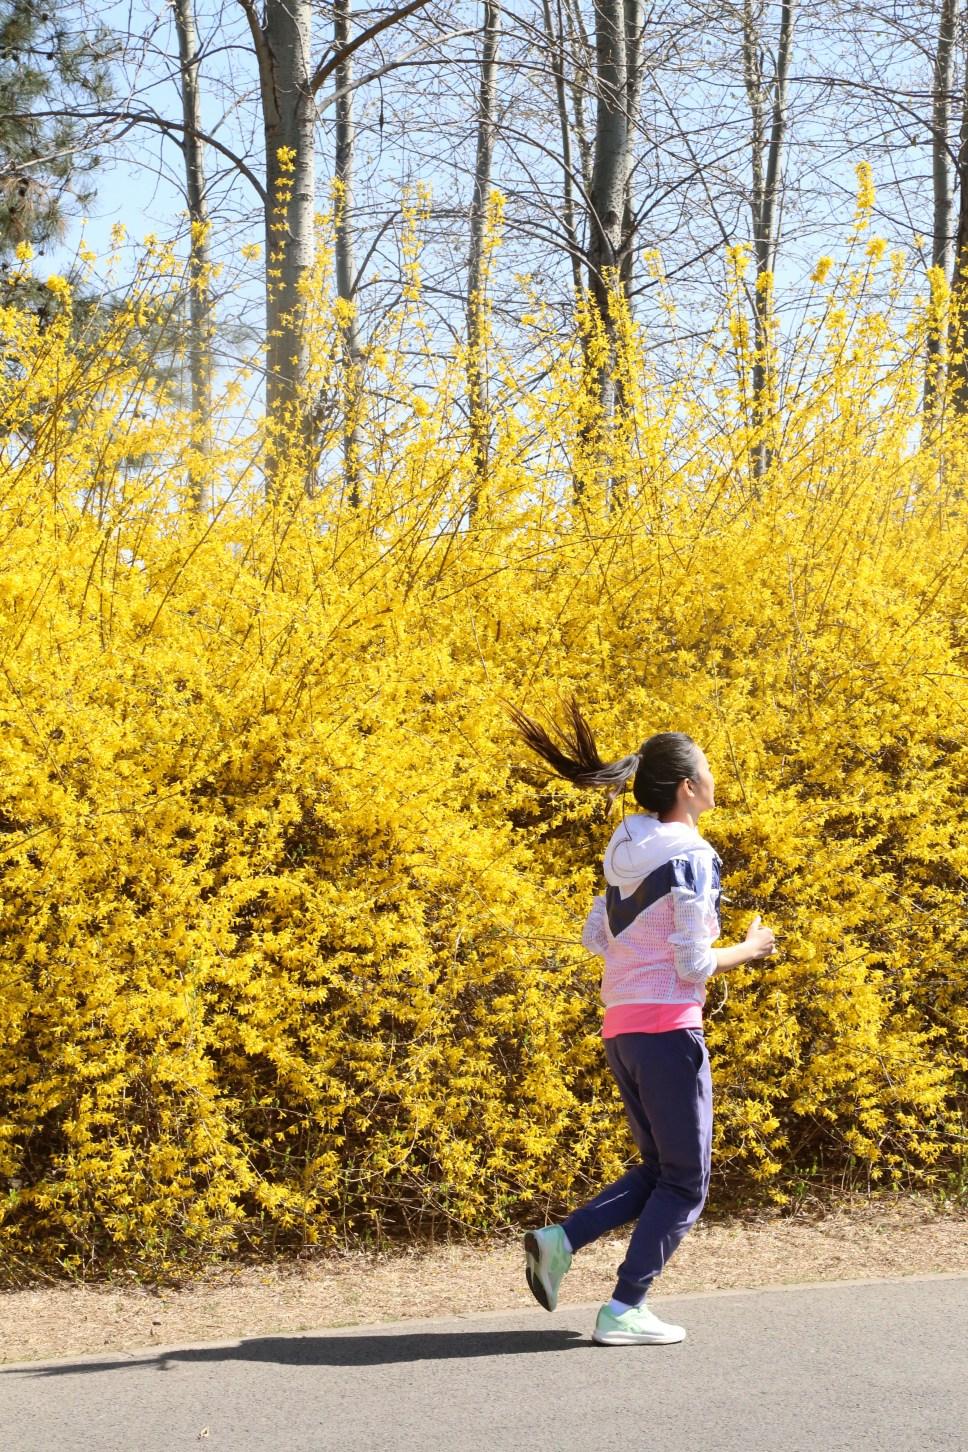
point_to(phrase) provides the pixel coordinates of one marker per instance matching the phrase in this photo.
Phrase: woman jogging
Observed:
(654, 927)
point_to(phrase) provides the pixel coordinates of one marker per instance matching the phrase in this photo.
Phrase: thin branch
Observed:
(326, 69)
(397, 63)
(130, 119)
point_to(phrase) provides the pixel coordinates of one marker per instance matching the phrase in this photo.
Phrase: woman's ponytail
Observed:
(656, 769)
(577, 758)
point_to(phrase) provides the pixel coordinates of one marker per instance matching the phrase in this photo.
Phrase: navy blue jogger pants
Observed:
(665, 1083)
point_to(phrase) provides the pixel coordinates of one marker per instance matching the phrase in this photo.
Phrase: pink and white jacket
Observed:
(659, 917)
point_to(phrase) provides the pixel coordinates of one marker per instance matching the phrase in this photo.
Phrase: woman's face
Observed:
(703, 786)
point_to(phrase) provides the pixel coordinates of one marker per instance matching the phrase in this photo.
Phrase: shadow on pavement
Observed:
(345, 1350)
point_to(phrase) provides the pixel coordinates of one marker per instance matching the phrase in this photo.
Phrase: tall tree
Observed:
(634, 28)
(43, 159)
(610, 180)
(289, 83)
(344, 258)
(200, 304)
(555, 37)
(476, 271)
(283, 44)
(957, 391)
(941, 231)
(767, 95)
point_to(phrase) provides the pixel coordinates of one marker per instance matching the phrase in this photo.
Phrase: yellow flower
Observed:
(60, 287)
(866, 194)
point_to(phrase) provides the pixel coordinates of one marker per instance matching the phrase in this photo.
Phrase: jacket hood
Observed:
(640, 844)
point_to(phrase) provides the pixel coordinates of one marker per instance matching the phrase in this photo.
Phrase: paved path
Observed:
(875, 1366)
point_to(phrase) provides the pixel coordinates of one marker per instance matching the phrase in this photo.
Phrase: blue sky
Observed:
(140, 187)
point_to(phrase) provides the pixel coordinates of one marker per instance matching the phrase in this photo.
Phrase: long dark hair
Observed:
(656, 769)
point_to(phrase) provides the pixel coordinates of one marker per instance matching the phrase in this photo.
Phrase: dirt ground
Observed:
(856, 1242)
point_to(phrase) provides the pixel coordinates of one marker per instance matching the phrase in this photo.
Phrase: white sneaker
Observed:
(637, 1326)
(546, 1259)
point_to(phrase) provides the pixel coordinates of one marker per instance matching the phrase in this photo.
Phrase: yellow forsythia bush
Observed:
(290, 923)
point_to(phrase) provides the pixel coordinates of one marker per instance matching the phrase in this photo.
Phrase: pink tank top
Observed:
(650, 1018)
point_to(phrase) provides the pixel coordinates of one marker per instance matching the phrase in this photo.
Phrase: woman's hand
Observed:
(760, 940)
(758, 943)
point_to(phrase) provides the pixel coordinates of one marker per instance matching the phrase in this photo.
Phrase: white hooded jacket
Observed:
(659, 916)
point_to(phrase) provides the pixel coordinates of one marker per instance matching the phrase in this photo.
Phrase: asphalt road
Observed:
(878, 1365)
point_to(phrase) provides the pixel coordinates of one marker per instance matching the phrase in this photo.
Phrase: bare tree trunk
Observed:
(555, 33)
(199, 275)
(767, 155)
(778, 125)
(957, 392)
(609, 181)
(288, 83)
(580, 84)
(345, 270)
(476, 271)
(556, 47)
(634, 28)
(941, 240)
(283, 46)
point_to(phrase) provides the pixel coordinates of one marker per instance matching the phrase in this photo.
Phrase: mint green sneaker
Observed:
(635, 1327)
(546, 1259)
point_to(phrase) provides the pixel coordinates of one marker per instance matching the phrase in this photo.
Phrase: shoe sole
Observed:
(625, 1338)
(539, 1290)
